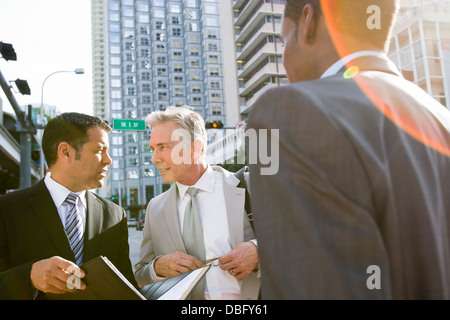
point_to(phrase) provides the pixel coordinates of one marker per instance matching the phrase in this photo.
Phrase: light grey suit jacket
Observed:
(357, 187)
(162, 234)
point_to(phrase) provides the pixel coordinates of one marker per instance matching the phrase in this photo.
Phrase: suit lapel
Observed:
(94, 223)
(170, 213)
(44, 208)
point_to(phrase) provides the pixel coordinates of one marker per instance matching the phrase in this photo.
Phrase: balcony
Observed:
(270, 69)
(265, 31)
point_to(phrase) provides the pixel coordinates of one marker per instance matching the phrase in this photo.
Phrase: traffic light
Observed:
(7, 51)
(23, 87)
(214, 125)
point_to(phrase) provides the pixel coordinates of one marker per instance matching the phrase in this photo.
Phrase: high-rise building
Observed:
(257, 25)
(420, 46)
(148, 55)
(259, 51)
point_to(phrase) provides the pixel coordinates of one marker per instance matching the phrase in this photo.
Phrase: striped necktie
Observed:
(73, 228)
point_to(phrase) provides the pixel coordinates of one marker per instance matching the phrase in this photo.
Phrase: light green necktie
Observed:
(193, 239)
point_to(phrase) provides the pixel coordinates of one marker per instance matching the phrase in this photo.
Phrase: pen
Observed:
(210, 260)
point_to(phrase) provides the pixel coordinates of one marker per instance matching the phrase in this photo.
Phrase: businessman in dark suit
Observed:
(40, 247)
(363, 207)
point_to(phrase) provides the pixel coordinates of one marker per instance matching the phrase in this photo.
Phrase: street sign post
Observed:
(127, 124)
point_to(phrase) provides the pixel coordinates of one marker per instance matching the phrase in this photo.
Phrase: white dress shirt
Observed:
(59, 194)
(220, 285)
(333, 69)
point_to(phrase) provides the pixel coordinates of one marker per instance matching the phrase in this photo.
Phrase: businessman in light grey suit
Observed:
(362, 209)
(224, 231)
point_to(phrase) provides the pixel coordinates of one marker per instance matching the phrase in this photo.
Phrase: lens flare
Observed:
(430, 125)
(351, 72)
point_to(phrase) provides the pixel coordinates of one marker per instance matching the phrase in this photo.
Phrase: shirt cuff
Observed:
(153, 275)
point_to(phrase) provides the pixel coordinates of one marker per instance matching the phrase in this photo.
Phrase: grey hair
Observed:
(186, 118)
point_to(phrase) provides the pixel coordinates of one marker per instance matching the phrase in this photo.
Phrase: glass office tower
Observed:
(148, 55)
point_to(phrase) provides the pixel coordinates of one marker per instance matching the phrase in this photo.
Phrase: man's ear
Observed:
(309, 25)
(197, 147)
(65, 152)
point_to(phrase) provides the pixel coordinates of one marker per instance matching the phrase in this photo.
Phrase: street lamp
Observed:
(43, 120)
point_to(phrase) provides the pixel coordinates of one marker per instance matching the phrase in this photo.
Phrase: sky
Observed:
(49, 36)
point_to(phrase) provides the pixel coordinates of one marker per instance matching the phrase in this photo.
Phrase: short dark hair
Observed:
(350, 17)
(71, 128)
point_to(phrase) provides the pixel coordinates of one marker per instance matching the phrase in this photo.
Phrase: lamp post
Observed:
(76, 71)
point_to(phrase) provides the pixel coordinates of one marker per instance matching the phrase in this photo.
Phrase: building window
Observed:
(145, 53)
(133, 174)
(213, 58)
(161, 60)
(215, 97)
(145, 41)
(146, 87)
(177, 55)
(161, 72)
(178, 80)
(214, 85)
(145, 30)
(160, 47)
(216, 110)
(160, 36)
(195, 76)
(133, 150)
(162, 84)
(146, 99)
(176, 32)
(145, 64)
(179, 92)
(195, 63)
(213, 71)
(177, 67)
(196, 101)
(129, 45)
(194, 51)
(212, 46)
(160, 25)
(162, 95)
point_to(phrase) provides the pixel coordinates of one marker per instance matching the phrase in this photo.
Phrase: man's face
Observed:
(88, 170)
(292, 53)
(162, 146)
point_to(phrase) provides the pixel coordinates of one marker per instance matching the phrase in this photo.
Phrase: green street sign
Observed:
(126, 124)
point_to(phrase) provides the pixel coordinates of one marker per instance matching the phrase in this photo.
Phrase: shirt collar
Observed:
(59, 193)
(334, 69)
(205, 183)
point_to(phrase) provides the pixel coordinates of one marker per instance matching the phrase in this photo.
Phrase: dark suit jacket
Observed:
(363, 180)
(31, 230)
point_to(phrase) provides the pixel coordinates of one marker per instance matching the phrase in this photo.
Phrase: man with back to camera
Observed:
(218, 228)
(56, 225)
(363, 208)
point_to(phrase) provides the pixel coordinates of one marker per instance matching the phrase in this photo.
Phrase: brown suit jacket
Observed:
(363, 180)
(31, 230)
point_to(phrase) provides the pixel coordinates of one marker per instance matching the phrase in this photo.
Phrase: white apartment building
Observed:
(420, 46)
